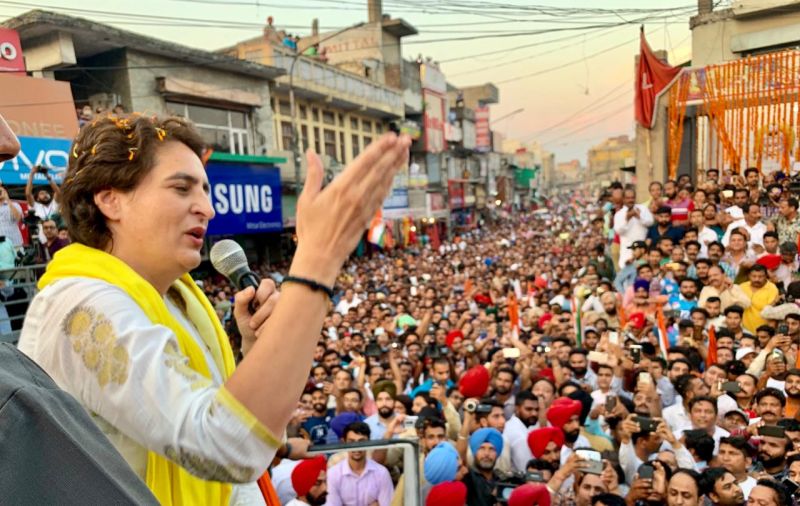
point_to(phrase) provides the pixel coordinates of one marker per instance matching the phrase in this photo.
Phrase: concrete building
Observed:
(228, 99)
(747, 28)
(337, 113)
(568, 175)
(371, 50)
(530, 162)
(606, 160)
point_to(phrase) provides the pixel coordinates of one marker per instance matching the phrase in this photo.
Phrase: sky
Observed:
(569, 64)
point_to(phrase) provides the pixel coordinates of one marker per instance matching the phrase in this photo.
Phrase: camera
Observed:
(373, 349)
(41, 170)
(470, 405)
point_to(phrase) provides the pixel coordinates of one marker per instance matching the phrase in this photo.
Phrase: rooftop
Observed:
(91, 38)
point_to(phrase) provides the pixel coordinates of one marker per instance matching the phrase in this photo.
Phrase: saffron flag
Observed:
(663, 340)
(653, 77)
(377, 229)
(513, 314)
(711, 356)
(576, 306)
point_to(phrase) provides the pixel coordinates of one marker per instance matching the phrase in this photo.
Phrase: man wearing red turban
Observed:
(546, 443)
(565, 413)
(530, 494)
(309, 482)
(449, 493)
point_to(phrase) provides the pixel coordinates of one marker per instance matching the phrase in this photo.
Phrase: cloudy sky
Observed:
(568, 63)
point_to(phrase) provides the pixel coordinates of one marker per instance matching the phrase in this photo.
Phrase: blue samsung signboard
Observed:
(49, 152)
(246, 198)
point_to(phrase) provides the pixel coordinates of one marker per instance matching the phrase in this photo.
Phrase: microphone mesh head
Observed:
(227, 257)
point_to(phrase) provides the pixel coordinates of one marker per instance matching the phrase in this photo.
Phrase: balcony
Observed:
(316, 80)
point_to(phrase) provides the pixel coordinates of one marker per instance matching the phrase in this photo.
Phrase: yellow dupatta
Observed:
(170, 483)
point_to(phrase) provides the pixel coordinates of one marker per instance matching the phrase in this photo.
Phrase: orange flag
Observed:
(711, 356)
(663, 340)
(513, 312)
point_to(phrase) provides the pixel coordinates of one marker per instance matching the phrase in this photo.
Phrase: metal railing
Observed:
(412, 492)
(18, 286)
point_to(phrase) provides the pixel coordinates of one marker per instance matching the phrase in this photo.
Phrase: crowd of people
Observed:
(627, 350)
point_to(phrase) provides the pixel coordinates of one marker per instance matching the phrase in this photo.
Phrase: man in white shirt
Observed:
(735, 455)
(703, 415)
(705, 235)
(753, 225)
(348, 302)
(525, 419)
(688, 387)
(631, 223)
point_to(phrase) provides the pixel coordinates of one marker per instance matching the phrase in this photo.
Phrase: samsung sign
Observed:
(246, 198)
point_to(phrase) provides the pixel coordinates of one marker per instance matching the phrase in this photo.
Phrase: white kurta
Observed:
(98, 345)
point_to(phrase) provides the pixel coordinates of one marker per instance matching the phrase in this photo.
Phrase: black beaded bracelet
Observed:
(310, 283)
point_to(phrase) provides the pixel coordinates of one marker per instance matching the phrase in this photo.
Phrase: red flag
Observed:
(711, 356)
(652, 77)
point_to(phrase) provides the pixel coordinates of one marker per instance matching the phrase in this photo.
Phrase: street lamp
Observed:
(292, 108)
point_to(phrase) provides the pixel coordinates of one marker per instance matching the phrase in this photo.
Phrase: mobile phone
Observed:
(511, 353)
(594, 460)
(636, 353)
(647, 424)
(791, 486)
(783, 329)
(644, 377)
(646, 471)
(613, 337)
(731, 386)
(410, 422)
(534, 477)
(727, 194)
(611, 403)
(771, 431)
(598, 357)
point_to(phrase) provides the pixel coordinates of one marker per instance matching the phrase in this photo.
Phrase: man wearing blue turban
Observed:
(441, 464)
(486, 445)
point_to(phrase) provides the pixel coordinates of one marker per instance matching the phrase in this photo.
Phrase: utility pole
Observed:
(293, 109)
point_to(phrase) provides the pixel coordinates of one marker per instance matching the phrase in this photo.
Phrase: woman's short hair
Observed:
(114, 152)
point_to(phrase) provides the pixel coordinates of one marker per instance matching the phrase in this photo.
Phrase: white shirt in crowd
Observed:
(516, 435)
(343, 306)
(756, 233)
(632, 230)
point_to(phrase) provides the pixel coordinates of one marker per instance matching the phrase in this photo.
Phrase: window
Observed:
(341, 147)
(354, 123)
(355, 146)
(304, 131)
(367, 125)
(328, 118)
(285, 108)
(315, 114)
(225, 130)
(378, 128)
(367, 141)
(317, 140)
(341, 120)
(302, 111)
(330, 143)
(286, 135)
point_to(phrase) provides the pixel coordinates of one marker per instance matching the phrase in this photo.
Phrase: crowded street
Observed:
(322, 254)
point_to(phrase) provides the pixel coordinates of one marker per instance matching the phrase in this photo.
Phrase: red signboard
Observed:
(483, 136)
(434, 120)
(455, 192)
(11, 61)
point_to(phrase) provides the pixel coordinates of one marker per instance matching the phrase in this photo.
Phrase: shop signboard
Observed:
(11, 61)
(246, 198)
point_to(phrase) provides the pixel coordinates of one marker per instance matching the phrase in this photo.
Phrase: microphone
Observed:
(228, 259)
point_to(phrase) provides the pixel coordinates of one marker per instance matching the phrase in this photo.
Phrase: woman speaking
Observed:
(121, 326)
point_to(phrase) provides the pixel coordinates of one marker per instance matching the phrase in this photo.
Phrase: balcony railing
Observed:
(320, 77)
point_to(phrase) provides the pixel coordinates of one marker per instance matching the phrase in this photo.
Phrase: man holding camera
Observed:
(44, 203)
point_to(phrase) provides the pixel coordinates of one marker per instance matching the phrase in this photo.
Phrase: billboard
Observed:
(435, 120)
(11, 61)
(246, 198)
(483, 136)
